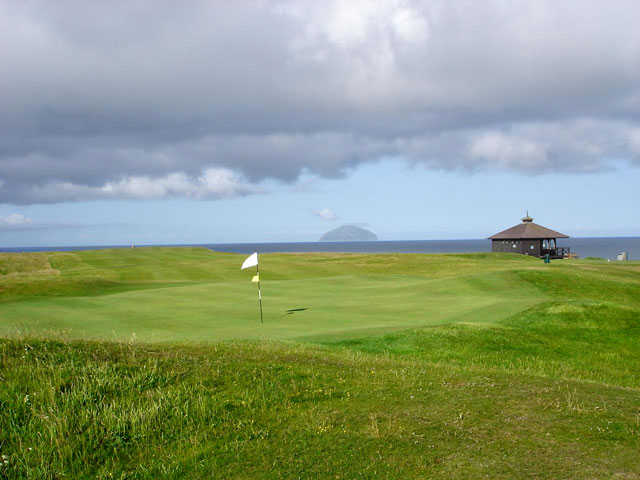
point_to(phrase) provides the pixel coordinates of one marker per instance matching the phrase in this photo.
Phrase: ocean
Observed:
(603, 247)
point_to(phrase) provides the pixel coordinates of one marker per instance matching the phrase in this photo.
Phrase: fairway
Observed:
(157, 294)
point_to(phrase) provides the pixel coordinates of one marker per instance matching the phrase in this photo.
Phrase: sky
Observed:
(267, 121)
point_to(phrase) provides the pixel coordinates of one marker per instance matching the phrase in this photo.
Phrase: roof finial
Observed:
(527, 219)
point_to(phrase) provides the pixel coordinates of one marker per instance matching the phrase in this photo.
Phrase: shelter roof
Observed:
(527, 229)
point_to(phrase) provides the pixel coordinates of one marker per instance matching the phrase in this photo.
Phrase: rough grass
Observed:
(421, 366)
(577, 341)
(78, 410)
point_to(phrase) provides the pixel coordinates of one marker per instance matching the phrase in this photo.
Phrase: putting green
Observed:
(188, 294)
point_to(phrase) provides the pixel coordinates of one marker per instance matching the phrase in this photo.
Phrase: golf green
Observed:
(192, 294)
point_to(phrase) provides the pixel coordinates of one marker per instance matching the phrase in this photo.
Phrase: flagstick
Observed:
(259, 292)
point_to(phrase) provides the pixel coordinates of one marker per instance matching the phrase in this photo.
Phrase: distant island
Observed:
(349, 233)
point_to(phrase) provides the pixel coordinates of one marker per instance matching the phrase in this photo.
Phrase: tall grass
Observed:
(96, 410)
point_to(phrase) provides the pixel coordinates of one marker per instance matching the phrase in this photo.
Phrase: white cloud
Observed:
(634, 141)
(326, 214)
(15, 220)
(509, 152)
(409, 25)
(213, 183)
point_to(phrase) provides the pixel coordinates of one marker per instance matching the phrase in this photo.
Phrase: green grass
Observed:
(162, 294)
(150, 363)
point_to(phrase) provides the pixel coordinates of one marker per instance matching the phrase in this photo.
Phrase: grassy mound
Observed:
(575, 341)
(106, 410)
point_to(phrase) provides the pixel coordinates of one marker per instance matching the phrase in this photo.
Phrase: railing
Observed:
(558, 252)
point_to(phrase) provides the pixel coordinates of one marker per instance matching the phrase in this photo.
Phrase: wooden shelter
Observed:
(529, 238)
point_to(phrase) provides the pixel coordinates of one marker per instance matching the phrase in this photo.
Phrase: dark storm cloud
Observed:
(206, 99)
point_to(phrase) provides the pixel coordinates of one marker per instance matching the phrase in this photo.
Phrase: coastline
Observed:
(600, 247)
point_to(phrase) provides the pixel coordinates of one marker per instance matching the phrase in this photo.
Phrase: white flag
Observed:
(251, 261)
